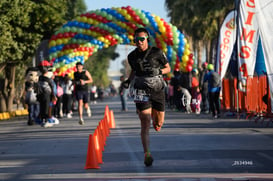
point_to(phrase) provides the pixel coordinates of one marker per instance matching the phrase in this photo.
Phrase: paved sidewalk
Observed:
(189, 147)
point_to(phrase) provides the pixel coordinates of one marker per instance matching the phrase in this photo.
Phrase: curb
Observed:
(8, 115)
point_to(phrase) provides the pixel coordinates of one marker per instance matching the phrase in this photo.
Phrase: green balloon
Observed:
(109, 17)
(172, 63)
(74, 29)
(67, 29)
(175, 41)
(145, 21)
(103, 14)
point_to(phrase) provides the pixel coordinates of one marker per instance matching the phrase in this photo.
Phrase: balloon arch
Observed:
(94, 30)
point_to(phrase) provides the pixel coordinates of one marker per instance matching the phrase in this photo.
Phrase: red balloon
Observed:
(57, 70)
(190, 62)
(129, 8)
(191, 55)
(189, 68)
(53, 37)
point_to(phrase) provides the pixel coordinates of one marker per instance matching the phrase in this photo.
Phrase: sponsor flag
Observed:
(226, 41)
(247, 40)
(265, 22)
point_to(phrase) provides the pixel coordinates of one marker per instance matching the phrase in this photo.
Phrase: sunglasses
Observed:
(140, 38)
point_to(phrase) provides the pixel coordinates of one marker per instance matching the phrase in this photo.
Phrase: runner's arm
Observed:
(90, 79)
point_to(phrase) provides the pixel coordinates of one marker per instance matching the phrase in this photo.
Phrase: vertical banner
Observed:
(42, 52)
(248, 36)
(265, 21)
(226, 41)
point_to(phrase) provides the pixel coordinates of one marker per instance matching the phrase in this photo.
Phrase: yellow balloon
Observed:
(62, 69)
(84, 19)
(90, 21)
(65, 40)
(162, 29)
(131, 37)
(185, 58)
(78, 18)
(77, 54)
(101, 38)
(187, 52)
(85, 53)
(59, 41)
(52, 43)
(71, 75)
(157, 19)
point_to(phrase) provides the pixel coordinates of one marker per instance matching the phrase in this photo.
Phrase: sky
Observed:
(156, 7)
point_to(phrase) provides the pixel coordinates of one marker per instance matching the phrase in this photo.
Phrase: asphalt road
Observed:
(189, 147)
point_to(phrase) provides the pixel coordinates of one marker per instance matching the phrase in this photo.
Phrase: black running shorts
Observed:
(156, 101)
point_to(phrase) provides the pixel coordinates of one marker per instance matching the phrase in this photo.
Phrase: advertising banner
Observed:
(226, 41)
(248, 36)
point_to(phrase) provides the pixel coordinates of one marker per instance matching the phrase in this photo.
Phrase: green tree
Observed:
(200, 20)
(23, 25)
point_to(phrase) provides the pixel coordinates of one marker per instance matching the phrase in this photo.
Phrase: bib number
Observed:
(140, 96)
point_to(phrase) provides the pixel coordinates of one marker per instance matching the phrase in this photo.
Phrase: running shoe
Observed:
(81, 121)
(69, 115)
(89, 112)
(148, 159)
(47, 125)
(156, 126)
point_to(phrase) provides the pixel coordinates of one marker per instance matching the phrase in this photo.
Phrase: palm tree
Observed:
(200, 20)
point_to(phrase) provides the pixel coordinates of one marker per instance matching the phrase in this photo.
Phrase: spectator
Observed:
(59, 94)
(123, 92)
(214, 87)
(68, 97)
(93, 94)
(31, 89)
(46, 93)
(186, 98)
(204, 89)
(196, 100)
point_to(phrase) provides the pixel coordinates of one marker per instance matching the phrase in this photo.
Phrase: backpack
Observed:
(43, 88)
(215, 80)
(60, 91)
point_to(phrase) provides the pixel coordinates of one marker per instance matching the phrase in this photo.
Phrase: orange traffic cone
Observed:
(98, 146)
(102, 131)
(106, 126)
(112, 120)
(91, 159)
(100, 136)
(107, 114)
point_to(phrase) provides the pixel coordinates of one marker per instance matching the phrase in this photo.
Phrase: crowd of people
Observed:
(197, 91)
(50, 98)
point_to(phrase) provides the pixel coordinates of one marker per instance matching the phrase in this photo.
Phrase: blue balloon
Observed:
(52, 49)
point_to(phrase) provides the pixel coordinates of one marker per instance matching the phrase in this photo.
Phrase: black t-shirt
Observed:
(155, 59)
(80, 76)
